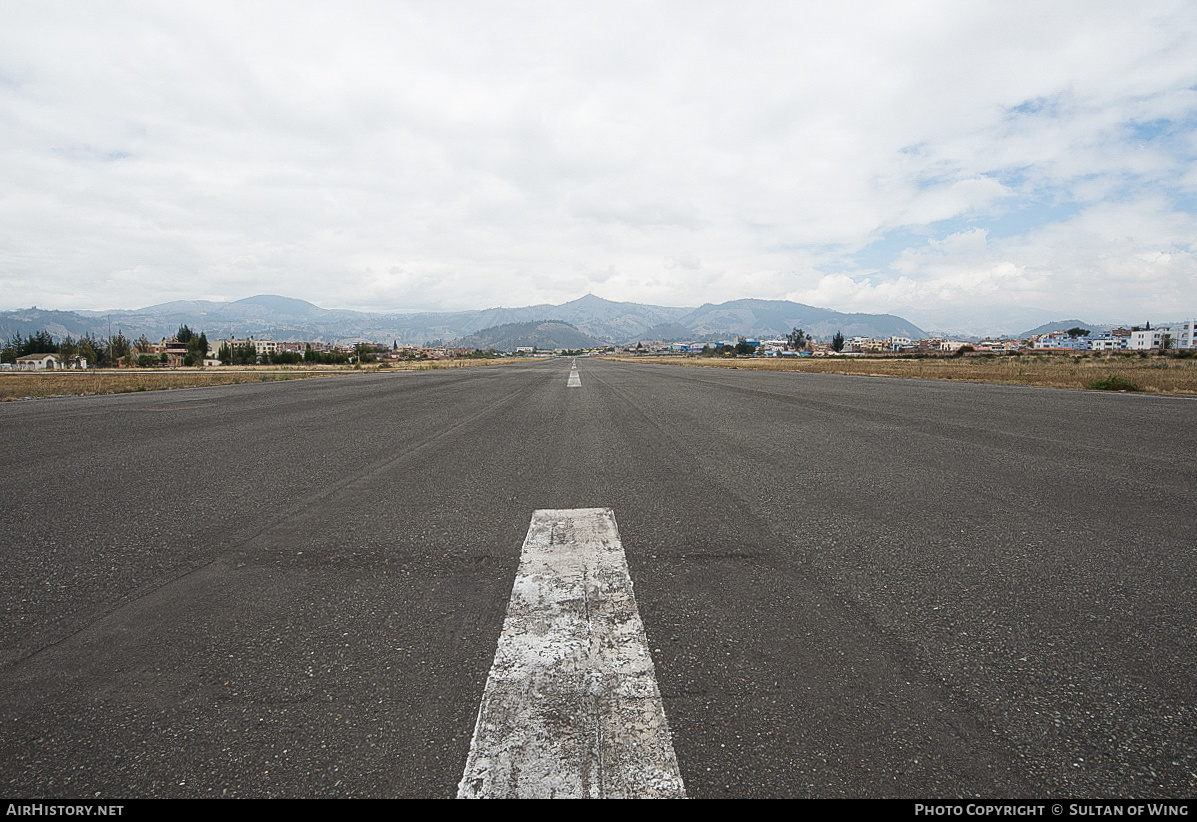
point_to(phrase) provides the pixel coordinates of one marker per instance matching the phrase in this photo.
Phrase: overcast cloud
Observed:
(938, 160)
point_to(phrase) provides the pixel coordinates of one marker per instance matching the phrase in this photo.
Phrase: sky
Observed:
(976, 166)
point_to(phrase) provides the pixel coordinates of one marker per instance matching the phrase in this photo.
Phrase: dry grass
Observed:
(23, 385)
(1153, 374)
(17, 385)
(434, 365)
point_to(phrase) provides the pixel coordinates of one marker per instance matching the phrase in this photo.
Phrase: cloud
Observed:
(1103, 262)
(676, 153)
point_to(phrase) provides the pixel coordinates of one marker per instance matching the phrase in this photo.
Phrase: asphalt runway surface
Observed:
(850, 586)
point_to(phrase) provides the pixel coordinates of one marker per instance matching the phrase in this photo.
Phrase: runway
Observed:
(848, 586)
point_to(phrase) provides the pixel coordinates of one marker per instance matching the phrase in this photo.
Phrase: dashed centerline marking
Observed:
(571, 708)
(574, 380)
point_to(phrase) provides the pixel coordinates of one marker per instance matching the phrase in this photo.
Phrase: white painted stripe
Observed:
(571, 706)
(574, 380)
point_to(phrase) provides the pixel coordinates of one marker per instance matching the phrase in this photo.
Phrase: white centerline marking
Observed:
(571, 706)
(574, 380)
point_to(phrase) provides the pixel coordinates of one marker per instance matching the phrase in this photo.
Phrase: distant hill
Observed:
(59, 323)
(668, 332)
(548, 336)
(1057, 325)
(776, 318)
(263, 316)
(606, 321)
(612, 321)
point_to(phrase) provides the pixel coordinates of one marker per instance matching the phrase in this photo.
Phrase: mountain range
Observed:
(285, 318)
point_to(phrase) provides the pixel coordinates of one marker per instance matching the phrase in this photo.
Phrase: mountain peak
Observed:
(588, 301)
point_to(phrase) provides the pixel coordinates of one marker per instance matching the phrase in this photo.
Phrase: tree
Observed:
(40, 343)
(184, 334)
(1073, 333)
(68, 350)
(225, 354)
(117, 349)
(325, 357)
(197, 347)
(282, 358)
(245, 354)
(837, 342)
(89, 349)
(796, 339)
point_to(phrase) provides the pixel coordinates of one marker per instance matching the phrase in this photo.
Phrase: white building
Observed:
(1177, 335)
(38, 362)
(1148, 339)
(1184, 335)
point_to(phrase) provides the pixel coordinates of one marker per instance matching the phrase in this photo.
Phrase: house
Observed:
(39, 362)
